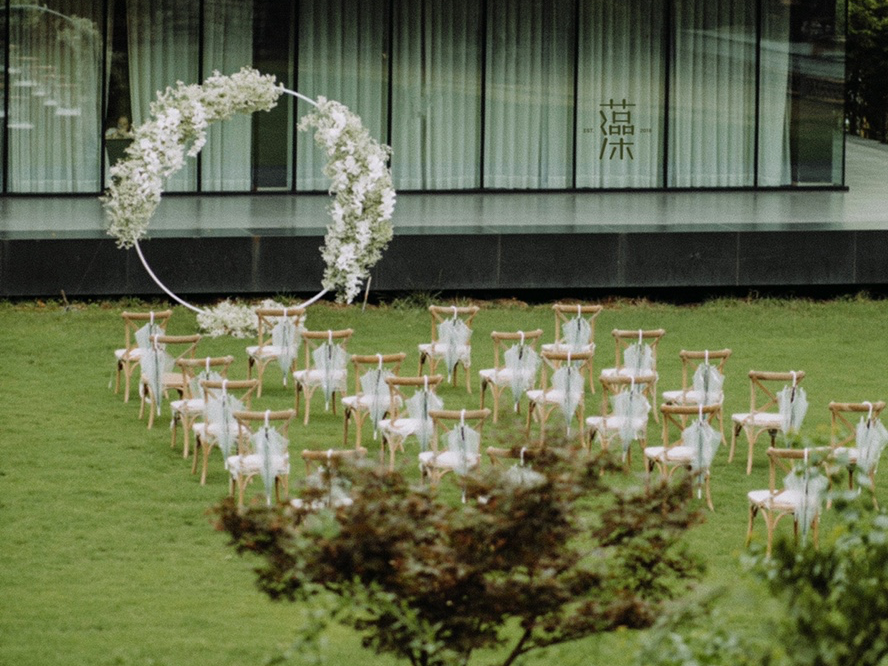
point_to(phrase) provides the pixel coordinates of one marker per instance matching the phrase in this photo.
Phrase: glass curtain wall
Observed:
(621, 94)
(436, 94)
(342, 54)
(55, 73)
(471, 94)
(529, 100)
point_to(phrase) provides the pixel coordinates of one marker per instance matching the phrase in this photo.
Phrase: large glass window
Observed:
(621, 94)
(436, 94)
(529, 106)
(712, 94)
(342, 51)
(55, 83)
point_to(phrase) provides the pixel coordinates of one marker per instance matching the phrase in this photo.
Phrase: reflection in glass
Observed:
(342, 51)
(529, 115)
(54, 108)
(436, 107)
(712, 94)
(620, 96)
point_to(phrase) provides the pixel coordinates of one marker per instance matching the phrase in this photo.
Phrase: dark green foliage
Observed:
(836, 596)
(431, 582)
(867, 62)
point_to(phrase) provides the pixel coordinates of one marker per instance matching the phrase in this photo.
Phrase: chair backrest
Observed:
(691, 360)
(268, 318)
(555, 359)
(501, 341)
(676, 417)
(611, 385)
(314, 339)
(133, 321)
(183, 344)
(242, 389)
(366, 362)
(783, 460)
(520, 453)
(844, 417)
(330, 458)
(192, 367)
(565, 312)
(398, 385)
(441, 313)
(764, 386)
(251, 421)
(446, 420)
(624, 339)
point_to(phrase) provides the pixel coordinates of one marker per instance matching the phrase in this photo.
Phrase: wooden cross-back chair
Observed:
(544, 401)
(499, 377)
(434, 352)
(246, 464)
(330, 457)
(206, 433)
(307, 381)
(564, 313)
(359, 405)
(186, 410)
(776, 503)
(608, 425)
(624, 339)
(398, 427)
(263, 353)
(127, 358)
(687, 395)
(435, 463)
(171, 381)
(675, 453)
(763, 416)
(843, 434)
(521, 453)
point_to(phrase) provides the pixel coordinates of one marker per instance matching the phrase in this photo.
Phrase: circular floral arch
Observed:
(360, 179)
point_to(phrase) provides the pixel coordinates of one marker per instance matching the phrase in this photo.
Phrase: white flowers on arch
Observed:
(356, 165)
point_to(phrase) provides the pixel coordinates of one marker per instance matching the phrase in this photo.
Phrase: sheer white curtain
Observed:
(342, 54)
(621, 94)
(54, 106)
(712, 119)
(436, 96)
(228, 46)
(774, 100)
(163, 38)
(530, 94)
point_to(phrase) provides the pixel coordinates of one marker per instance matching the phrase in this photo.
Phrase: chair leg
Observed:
(753, 510)
(751, 439)
(174, 426)
(468, 378)
(735, 431)
(346, 415)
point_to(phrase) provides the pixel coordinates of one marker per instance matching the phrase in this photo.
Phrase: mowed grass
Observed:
(108, 554)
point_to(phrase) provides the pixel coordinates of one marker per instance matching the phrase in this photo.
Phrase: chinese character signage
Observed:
(617, 130)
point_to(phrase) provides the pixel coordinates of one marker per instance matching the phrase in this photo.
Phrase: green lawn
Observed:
(109, 557)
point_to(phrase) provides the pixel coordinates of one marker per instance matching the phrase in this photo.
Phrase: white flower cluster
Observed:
(365, 198)
(236, 320)
(180, 117)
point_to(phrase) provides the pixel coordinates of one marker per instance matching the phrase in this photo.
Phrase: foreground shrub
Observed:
(558, 553)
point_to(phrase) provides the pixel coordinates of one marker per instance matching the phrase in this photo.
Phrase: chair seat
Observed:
(317, 505)
(266, 351)
(190, 407)
(316, 377)
(561, 348)
(691, 397)
(615, 423)
(646, 375)
(438, 350)
(169, 380)
(501, 376)
(133, 354)
(399, 427)
(549, 396)
(849, 452)
(364, 402)
(759, 420)
(214, 429)
(447, 459)
(252, 464)
(786, 500)
(681, 455)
